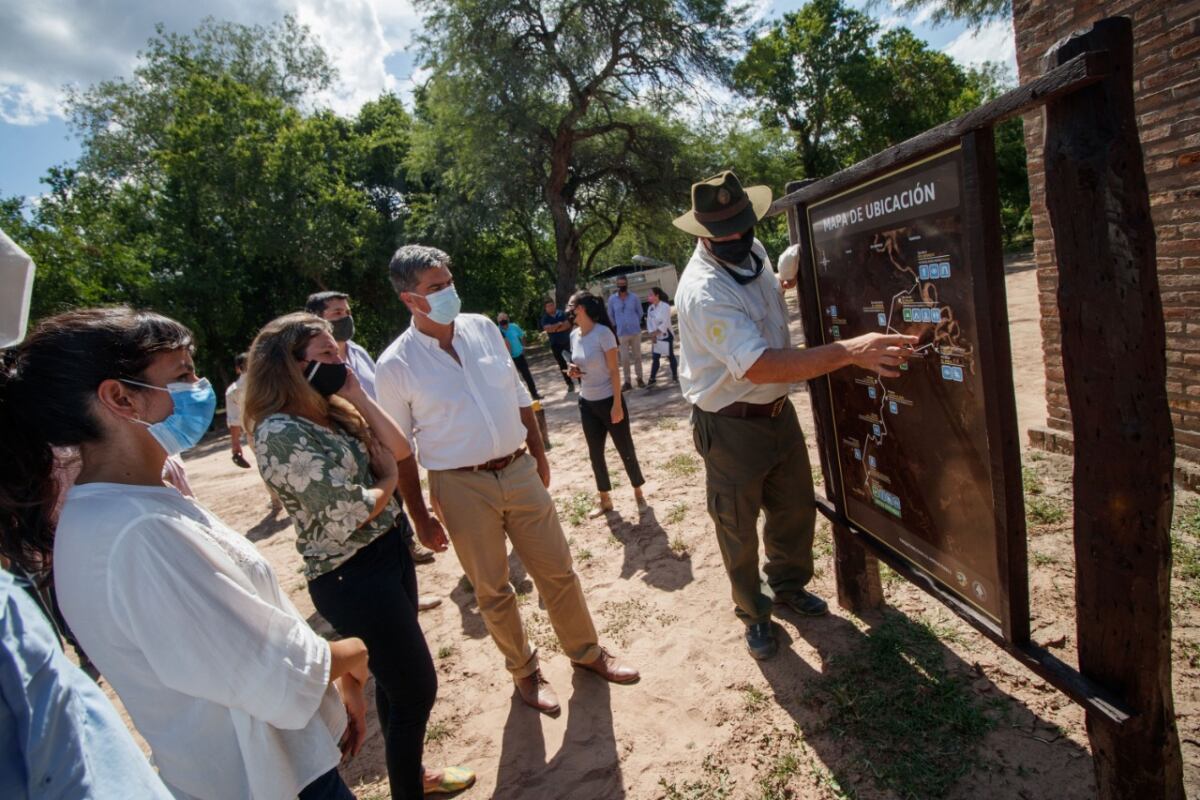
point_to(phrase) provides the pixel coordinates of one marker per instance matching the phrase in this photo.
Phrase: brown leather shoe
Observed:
(536, 691)
(608, 667)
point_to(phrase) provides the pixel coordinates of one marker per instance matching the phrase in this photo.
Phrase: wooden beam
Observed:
(1081, 71)
(1113, 343)
(856, 571)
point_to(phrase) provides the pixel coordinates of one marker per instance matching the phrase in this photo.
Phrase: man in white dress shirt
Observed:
(736, 366)
(449, 382)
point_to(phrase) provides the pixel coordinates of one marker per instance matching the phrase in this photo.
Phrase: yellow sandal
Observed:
(454, 779)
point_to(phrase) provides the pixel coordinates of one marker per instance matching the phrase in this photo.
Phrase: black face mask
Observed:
(571, 317)
(622, 289)
(325, 378)
(734, 251)
(343, 329)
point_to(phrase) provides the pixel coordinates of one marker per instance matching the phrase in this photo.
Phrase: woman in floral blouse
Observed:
(330, 452)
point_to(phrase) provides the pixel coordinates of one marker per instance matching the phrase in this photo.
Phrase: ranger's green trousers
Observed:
(752, 464)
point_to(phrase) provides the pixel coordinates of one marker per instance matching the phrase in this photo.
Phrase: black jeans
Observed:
(670, 340)
(329, 786)
(523, 368)
(596, 416)
(374, 596)
(558, 350)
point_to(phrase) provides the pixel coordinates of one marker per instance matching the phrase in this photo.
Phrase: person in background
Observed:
(184, 618)
(330, 452)
(736, 366)
(514, 337)
(233, 411)
(658, 325)
(334, 308)
(558, 330)
(59, 735)
(625, 311)
(601, 407)
(233, 420)
(449, 383)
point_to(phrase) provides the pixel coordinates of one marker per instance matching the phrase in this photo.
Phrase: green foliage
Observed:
(842, 90)
(550, 115)
(204, 192)
(974, 12)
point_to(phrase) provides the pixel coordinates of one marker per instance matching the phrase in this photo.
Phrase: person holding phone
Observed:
(602, 409)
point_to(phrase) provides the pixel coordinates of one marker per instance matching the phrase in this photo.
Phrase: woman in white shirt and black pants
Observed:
(658, 325)
(602, 410)
(232, 689)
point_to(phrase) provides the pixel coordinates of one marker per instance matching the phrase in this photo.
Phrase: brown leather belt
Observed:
(496, 464)
(744, 410)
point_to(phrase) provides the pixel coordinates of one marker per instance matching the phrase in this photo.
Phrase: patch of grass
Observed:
(540, 632)
(436, 731)
(1031, 482)
(445, 651)
(667, 423)
(677, 514)
(903, 717)
(714, 783)
(583, 556)
(624, 615)
(679, 545)
(774, 785)
(575, 508)
(1041, 510)
(1043, 559)
(754, 699)
(1185, 551)
(1191, 651)
(818, 477)
(681, 465)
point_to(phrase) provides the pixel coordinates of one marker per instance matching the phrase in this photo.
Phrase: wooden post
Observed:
(1113, 344)
(856, 571)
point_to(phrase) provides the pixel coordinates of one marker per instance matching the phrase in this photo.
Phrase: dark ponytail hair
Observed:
(661, 295)
(594, 307)
(47, 385)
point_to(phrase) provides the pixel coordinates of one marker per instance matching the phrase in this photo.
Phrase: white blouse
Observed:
(187, 621)
(658, 319)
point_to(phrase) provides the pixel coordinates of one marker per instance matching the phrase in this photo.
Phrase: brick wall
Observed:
(1167, 96)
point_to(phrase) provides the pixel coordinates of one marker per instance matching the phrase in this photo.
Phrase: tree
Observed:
(549, 109)
(974, 12)
(811, 71)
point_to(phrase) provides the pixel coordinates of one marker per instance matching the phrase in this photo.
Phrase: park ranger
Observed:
(736, 365)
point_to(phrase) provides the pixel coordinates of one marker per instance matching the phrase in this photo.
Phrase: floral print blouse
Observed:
(323, 477)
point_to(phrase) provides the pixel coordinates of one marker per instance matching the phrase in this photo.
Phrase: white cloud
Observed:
(992, 42)
(51, 44)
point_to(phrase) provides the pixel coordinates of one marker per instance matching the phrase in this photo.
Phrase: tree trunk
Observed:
(568, 257)
(1113, 343)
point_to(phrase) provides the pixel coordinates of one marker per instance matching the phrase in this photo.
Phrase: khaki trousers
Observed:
(751, 465)
(629, 351)
(478, 510)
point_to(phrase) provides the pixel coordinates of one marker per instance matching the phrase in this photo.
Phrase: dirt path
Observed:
(706, 721)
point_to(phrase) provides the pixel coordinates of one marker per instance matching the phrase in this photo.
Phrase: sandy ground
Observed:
(706, 720)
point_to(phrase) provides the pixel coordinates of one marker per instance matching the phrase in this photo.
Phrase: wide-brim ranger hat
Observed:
(720, 206)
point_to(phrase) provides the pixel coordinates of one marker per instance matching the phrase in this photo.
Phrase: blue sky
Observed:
(52, 44)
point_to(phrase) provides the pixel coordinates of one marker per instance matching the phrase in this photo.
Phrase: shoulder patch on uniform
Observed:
(716, 333)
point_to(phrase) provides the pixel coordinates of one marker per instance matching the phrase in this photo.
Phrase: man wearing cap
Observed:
(736, 365)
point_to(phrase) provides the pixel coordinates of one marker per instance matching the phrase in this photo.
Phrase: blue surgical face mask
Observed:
(195, 404)
(444, 305)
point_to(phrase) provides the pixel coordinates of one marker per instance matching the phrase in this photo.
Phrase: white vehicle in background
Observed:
(16, 278)
(643, 275)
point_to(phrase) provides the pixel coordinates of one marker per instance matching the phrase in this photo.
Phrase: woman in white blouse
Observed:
(658, 325)
(232, 689)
